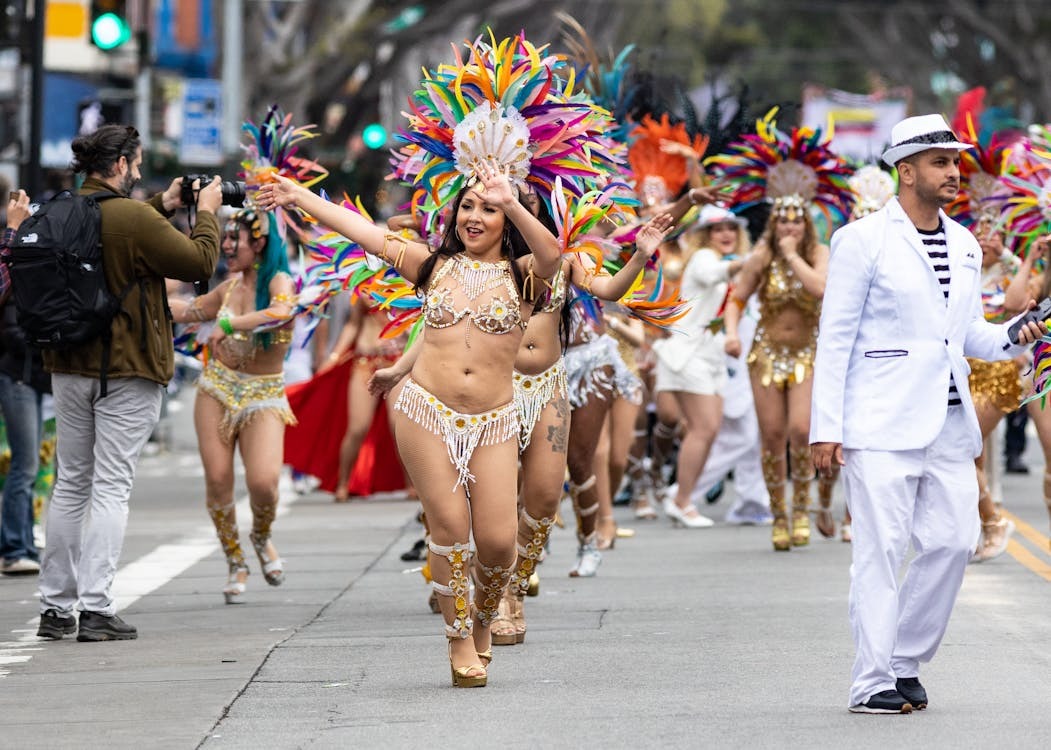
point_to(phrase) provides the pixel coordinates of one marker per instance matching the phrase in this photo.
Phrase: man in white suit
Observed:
(902, 308)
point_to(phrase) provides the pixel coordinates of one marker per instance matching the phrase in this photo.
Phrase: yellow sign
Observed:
(66, 20)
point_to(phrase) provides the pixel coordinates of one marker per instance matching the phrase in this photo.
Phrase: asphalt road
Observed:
(686, 638)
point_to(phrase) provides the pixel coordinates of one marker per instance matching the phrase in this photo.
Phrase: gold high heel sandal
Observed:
(467, 677)
(502, 628)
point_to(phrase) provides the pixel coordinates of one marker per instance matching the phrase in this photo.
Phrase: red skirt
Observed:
(312, 446)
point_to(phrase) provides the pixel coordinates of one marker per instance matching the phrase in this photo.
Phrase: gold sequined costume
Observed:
(778, 364)
(244, 397)
(995, 383)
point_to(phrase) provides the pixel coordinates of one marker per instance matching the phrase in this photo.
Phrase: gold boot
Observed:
(802, 473)
(461, 626)
(773, 475)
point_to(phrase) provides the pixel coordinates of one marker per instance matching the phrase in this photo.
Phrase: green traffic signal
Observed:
(374, 135)
(109, 31)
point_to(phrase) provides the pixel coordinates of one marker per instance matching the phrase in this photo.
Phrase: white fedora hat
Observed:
(915, 134)
(712, 214)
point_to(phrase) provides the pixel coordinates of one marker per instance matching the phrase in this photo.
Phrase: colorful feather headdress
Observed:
(1026, 212)
(273, 149)
(660, 176)
(790, 170)
(982, 193)
(872, 188)
(508, 102)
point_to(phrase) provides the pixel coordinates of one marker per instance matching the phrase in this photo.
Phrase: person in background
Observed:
(20, 402)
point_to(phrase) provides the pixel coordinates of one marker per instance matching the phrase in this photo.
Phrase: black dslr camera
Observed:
(233, 191)
(1039, 314)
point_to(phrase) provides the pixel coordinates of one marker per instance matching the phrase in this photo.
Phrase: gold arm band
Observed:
(740, 303)
(385, 252)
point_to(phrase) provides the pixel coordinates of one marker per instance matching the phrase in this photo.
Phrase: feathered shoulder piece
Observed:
(506, 101)
(660, 176)
(793, 171)
(273, 148)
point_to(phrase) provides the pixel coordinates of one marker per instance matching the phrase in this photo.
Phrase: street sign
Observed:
(201, 141)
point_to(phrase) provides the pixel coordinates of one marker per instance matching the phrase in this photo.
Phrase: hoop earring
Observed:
(507, 239)
(456, 231)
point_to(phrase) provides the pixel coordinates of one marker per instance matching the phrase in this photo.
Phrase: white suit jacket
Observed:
(887, 341)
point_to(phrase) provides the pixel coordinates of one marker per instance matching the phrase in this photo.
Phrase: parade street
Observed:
(701, 638)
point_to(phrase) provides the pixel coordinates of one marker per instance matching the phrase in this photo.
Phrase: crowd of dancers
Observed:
(570, 305)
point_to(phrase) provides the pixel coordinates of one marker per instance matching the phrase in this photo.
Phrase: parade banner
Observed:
(860, 123)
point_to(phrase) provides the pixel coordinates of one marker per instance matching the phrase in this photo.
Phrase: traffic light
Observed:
(109, 27)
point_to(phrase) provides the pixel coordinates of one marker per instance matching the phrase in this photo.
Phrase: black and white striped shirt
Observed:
(938, 253)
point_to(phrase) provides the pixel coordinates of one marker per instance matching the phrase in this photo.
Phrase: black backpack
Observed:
(57, 279)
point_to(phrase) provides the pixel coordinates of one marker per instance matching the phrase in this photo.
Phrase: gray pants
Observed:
(98, 444)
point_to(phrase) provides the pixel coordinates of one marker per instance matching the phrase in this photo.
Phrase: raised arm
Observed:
(614, 287)
(406, 256)
(813, 275)
(198, 309)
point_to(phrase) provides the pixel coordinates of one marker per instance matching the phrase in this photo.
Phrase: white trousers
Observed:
(736, 449)
(929, 497)
(98, 443)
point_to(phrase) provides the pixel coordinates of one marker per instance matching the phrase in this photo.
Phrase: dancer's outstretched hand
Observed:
(653, 233)
(281, 192)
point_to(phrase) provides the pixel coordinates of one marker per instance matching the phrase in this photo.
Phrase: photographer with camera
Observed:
(103, 426)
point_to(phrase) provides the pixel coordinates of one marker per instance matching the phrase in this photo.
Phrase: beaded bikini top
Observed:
(471, 290)
(240, 347)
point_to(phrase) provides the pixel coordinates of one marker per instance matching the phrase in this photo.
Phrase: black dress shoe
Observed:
(1015, 465)
(912, 691)
(53, 625)
(884, 702)
(95, 626)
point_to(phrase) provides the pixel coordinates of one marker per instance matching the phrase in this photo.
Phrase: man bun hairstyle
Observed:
(98, 152)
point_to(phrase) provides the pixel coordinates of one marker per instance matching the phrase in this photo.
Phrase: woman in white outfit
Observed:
(691, 368)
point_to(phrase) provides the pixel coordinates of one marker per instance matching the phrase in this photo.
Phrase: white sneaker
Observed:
(588, 560)
(749, 513)
(20, 567)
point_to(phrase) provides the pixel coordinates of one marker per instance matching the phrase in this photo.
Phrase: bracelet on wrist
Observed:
(226, 326)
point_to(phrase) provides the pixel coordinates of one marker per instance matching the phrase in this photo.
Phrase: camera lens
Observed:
(233, 193)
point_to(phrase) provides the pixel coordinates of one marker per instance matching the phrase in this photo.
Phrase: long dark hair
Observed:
(512, 247)
(98, 152)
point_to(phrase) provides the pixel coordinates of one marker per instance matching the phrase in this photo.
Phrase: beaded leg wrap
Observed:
(802, 474)
(774, 476)
(225, 520)
(263, 514)
(663, 446)
(584, 515)
(491, 582)
(531, 553)
(459, 588)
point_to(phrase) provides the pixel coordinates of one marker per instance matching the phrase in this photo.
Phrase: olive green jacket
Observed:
(140, 248)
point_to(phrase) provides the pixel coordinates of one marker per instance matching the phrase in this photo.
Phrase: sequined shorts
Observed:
(587, 373)
(533, 393)
(995, 383)
(244, 397)
(461, 432)
(780, 365)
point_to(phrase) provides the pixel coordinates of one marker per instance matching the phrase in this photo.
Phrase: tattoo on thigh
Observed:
(558, 435)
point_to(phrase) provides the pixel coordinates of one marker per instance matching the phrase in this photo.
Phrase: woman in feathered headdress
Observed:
(795, 172)
(455, 419)
(241, 392)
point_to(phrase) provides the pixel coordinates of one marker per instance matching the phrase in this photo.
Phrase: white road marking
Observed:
(151, 571)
